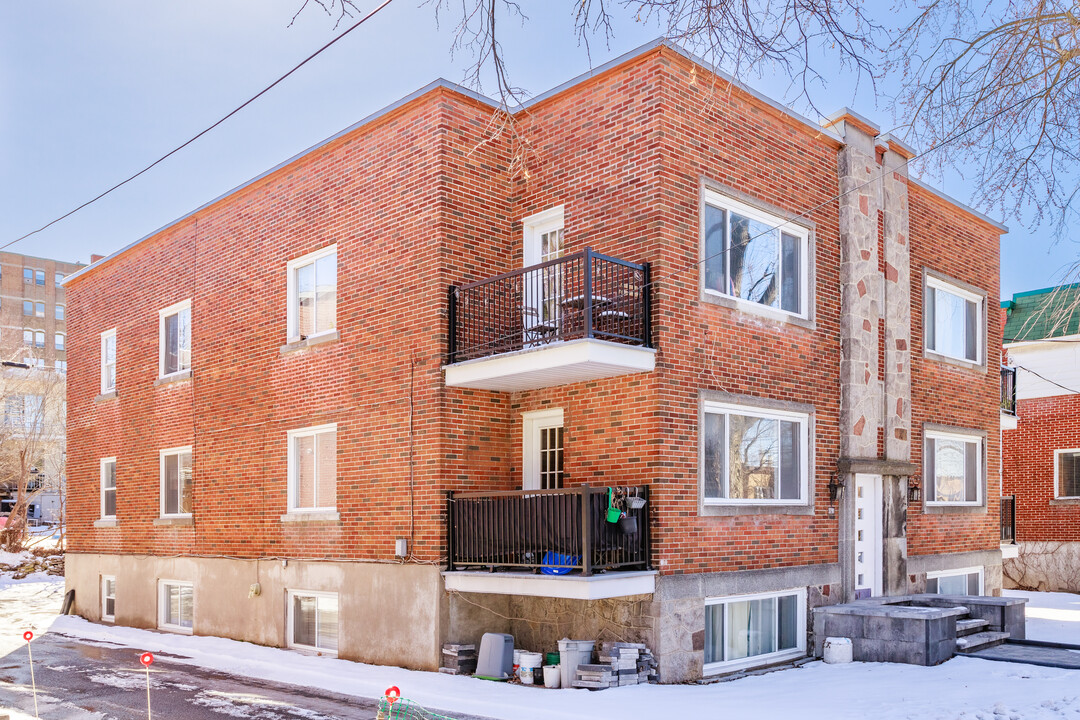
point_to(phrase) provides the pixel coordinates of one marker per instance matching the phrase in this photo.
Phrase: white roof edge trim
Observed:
(440, 82)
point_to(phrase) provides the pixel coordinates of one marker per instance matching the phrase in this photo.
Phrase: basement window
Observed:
(313, 621)
(174, 344)
(108, 598)
(312, 288)
(966, 581)
(176, 606)
(749, 630)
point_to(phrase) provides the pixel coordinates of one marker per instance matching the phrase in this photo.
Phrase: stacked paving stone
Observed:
(620, 664)
(458, 659)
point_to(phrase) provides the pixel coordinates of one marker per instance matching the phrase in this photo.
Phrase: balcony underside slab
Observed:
(558, 363)
(573, 587)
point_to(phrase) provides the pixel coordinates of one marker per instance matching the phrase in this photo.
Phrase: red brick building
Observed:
(1041, 437)
(693, 296)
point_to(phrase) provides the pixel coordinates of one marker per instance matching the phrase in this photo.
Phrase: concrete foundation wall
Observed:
(389, 614)
(1045, 566)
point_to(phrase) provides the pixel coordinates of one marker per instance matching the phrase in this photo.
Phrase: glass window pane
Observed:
(971, 331)
(753, 453)
(27, 307)
(950, 324)
(971, 470)
(39, 277)
(751, 628)
(714, 470)
(791, 276)
(328, 623)
(952, 585)
(715, 222)
(59, 312)
(714, 633)
(788, 622)
(172, 485)
(183, 340)
(326, 293)
(172, 344)
(305, 471)
(1069, 475)
(28, 274)
(305, 299)
(973, 584)
(304, 620)
(187, 487)
(187, 606)
(931, 319)
(172, 606)
(752, 261)
(326, 494)
(39, 310)
(790, 466)
(950, 475)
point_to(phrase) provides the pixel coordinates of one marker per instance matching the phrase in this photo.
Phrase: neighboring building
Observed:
(33, 332)
(272, 397)
(1041, 439)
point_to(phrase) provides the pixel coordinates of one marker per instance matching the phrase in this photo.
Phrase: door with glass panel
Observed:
(542, 289)
(868, 555)
(542, 450)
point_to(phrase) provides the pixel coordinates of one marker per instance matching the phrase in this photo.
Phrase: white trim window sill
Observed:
(755, 662)
(106, 396)
(176, 629)
(173, 378)
(313, 341)
(313, 652)
(978, 367)
(186, 521)
(311, 517)
(106, 523)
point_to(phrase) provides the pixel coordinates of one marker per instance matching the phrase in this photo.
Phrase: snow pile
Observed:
(1054, 617)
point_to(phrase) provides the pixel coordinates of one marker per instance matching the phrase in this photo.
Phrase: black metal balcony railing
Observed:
(1008, 390)
(1008, 519)
(533, 529)
(584, 295)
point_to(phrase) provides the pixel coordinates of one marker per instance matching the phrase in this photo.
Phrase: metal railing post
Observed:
(646, 305)
(451, 318)
(586, 531)
(587, 290)
(646, 533)
(449, 530)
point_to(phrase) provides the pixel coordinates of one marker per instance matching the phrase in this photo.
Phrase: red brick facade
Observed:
(415, 202)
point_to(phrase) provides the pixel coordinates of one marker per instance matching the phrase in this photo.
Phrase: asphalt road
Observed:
(80, 680)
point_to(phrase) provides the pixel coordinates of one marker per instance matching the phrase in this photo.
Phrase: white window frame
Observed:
(28, 304)
(1057, 472)
(938, 574)
(292, 329)
(163, 586)
(39, 339)
(169, 452)
(60, 342)
(105, 337)
(933, 282)
(291, 476)
(105, 597)
(723, 202)
(803, 419)
(58, 279)
(289, 619)
(799, 650)
(980, 466)
(60, 312)
(169, 312)
(531, 425)
(39, 275)
(103, 463)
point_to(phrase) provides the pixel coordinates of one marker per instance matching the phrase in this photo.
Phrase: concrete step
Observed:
(970, 626)
(980, 641)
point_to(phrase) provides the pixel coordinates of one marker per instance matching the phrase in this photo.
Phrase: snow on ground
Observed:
(9, 558)
(28, 604)
(1054, 617)
(961, 689)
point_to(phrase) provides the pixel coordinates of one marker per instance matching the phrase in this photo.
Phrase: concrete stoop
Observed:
(920, 629)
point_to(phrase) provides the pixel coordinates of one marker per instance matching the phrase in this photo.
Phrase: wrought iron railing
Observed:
(1008, 519)
(1008, 390)
(564, 530)
(584, 295)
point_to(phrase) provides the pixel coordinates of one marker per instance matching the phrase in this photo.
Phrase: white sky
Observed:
(91, 92)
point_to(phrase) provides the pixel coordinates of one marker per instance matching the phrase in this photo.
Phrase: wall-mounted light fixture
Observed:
(914, 489)
(836, 488)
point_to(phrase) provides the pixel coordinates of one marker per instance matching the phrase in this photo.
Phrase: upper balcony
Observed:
(575, 318)
(1008, 398)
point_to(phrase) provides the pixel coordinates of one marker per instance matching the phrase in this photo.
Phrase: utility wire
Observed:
(180, 147)
(1043, 377)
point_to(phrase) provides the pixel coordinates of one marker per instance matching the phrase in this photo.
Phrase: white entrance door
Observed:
(542, 450)
(869, 514)
(542, 289)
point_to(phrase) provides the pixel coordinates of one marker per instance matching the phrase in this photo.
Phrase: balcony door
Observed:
(542, 450)
(542, 290)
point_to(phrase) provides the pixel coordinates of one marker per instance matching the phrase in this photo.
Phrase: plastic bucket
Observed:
(530, 662)
(552, 676)
(571, 654)
(551, 658)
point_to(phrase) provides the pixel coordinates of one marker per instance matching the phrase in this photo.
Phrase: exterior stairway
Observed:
(972, 635)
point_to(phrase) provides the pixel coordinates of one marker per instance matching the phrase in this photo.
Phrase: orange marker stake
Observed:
(147, 659)
(28, 636)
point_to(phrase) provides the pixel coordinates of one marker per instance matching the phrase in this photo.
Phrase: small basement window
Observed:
(967, 581)
(176, 606)
(313, 621)
(748, 630)
(108, 598)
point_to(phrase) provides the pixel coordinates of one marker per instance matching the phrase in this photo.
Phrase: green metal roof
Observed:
(1043, 314)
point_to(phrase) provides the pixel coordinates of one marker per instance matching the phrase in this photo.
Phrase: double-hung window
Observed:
(1067, 473)
(176, 482)
(313, 621)
(58, 279)
(108, 488)
(176, 606)
(312, 480)
(312, 289)
(108, 361)
(748, 630)
(954, 468)
(28, 275)
(59, 310)
(39, 278)
(754, 257)
(108, 598)
(59, 340)
(39, 339)
(174, 328)
(967, 581)
(39, 309)
(28, 308)
(954, 321)
(754, 455)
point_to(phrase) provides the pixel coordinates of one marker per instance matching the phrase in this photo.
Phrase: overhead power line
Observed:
(183, 145)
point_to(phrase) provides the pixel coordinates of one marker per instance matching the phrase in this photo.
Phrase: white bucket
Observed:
(552, 676)
(838, 650)
(528, 663)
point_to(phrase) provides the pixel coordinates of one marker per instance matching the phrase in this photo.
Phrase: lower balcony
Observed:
(550, 543)
(576, 318)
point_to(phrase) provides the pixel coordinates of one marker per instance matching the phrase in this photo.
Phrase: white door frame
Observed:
(531, 424)
(869, 550)
(533, 227)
